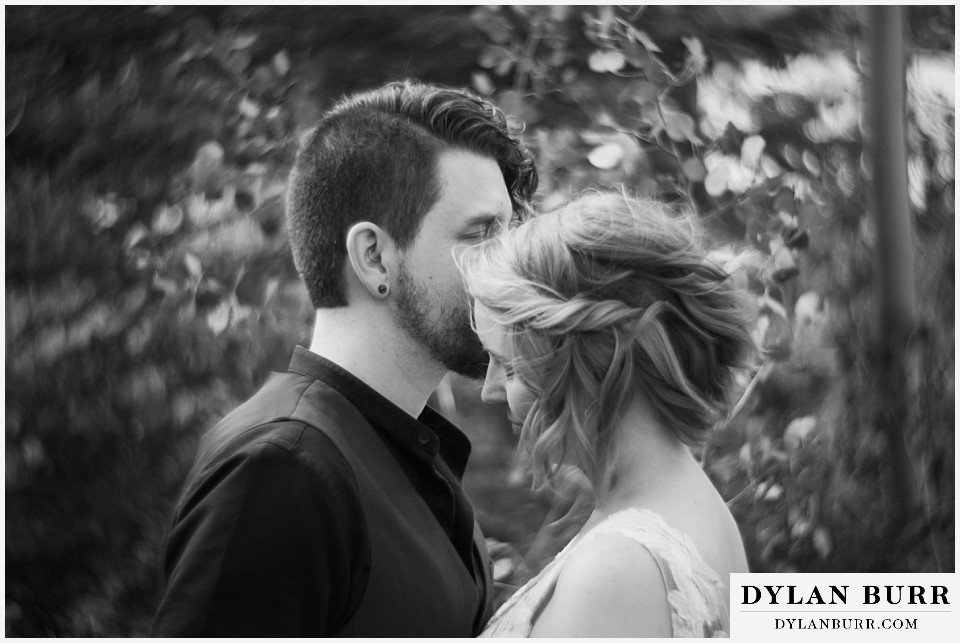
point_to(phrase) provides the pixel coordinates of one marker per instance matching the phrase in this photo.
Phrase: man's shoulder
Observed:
(290, 411)
(276, 423)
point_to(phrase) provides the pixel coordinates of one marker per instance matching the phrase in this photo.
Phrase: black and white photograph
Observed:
(455, 321)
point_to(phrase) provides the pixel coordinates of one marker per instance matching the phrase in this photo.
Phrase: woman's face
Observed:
(501, 383)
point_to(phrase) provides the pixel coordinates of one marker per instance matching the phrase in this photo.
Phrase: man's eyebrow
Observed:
(482, 219)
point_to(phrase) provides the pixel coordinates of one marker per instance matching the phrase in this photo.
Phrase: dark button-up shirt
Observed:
(273, 535)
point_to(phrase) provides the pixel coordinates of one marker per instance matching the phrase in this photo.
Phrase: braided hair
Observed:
(603, 299)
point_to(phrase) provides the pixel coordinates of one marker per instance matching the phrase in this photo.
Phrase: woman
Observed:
(615, 344)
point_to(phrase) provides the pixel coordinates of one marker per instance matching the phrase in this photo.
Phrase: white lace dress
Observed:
(694, 591)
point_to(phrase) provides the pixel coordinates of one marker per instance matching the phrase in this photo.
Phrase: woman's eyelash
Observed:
(507, 368)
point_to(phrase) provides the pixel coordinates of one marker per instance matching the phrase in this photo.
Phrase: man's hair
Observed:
(373, 157)
(606, 297)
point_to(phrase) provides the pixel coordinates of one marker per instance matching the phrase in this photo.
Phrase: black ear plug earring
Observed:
(382, 289)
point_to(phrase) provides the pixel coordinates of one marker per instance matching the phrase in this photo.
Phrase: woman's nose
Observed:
(492, 390)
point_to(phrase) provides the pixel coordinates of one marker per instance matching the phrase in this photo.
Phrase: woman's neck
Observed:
(645, 458)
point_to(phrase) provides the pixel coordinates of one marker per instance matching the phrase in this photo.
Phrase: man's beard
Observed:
(451, 339)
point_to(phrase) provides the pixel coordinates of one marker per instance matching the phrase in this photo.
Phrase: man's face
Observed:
(432, 307)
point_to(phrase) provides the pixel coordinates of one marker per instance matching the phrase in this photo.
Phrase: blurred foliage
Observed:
(759, 133)
(149, 287)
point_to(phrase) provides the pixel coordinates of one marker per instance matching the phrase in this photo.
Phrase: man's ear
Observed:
(366, 243)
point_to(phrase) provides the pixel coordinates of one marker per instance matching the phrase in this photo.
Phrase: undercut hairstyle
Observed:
(607, 297)
(373, 157)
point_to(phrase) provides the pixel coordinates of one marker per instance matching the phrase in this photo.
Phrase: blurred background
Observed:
(149, 287)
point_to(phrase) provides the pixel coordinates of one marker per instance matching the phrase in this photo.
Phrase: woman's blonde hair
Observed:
(604, 297)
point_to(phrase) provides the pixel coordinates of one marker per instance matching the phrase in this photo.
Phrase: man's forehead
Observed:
(474, 186)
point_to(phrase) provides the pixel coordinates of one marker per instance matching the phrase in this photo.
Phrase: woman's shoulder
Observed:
(634, 575)
(609, 586)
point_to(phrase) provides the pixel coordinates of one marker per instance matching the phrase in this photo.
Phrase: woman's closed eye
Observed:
(501, 364)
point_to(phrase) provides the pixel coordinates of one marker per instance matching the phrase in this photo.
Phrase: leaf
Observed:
(746, 458)
(239, 60)
(641, 92)
(716, 181)
(606, 157)
(192, 262)
(792, 155)
(481, 83)
(248, 108)
(811, 162)
(680, 127)
(33, 452)
(206, 168)
(281, 62)
(822, 542)
(784, 265)
(771, 169)
(219, 318)
(798, 432)
(637, 55)
(698, 57)
(773, 493)
(796, 238)
(166, 285)
(779, 223)
(606, 61)
(504, 66)
(800, 525)
(263, 80)
(515, 104)
(188, 312)
(694, 169)
(137, 233)
(808, 308)
(273, 285)
(244, 41)
(785, 201)
(129, 73)
(167, 219)
(751, 149)
(495, 56)
(645, 40)
(104, 213)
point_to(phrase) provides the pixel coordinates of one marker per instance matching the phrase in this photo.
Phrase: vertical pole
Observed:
(886, 105)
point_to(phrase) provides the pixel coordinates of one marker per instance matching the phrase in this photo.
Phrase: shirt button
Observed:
(424, 437)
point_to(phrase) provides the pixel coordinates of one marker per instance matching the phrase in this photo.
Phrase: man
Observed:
(330, 504)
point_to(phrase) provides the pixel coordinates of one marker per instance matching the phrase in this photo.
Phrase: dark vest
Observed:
(415, 569)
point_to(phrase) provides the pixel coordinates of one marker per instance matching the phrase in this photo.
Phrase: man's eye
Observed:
(487, 231)
(484, 233)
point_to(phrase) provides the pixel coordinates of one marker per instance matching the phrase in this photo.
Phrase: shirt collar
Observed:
(430, 433)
